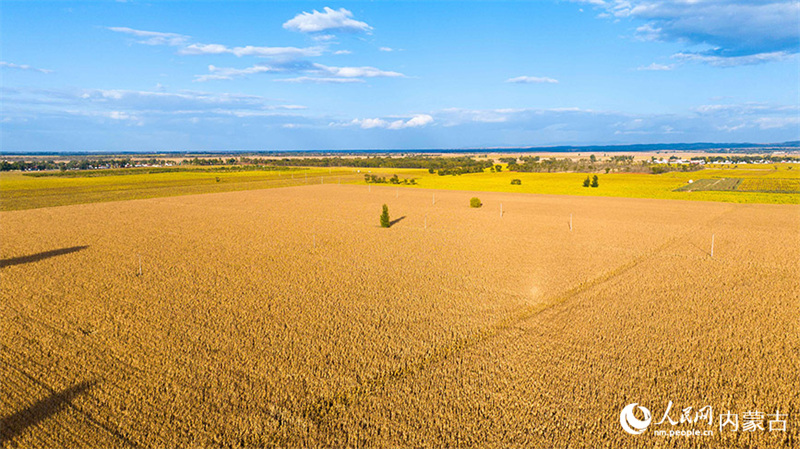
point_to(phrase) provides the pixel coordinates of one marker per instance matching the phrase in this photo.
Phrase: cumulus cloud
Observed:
(732, 61)
(778, 122)
(186, 48)
(703, 123)
(739, 32)
(322, 73)
(416, 121)
(11, 65)
(195, 119)
(274, 52)
(229, 73)
(328, 19)
(320, 80)
(656, 67)
(358, 72)
(532, 80)
(116, 103)
(153, 37)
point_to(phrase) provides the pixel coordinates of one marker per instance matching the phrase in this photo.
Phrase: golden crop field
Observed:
(287, 317)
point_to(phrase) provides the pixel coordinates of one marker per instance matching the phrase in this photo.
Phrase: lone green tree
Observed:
(385, 223)
(586, 182)
(594, 181)
(475, 202)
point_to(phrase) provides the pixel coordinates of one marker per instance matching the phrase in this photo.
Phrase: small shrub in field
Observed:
(516, 182)
(594, 181)
(385, 217)
(586, 182)
(475, 202)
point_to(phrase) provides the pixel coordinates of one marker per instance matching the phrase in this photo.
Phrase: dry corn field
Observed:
(288, 317)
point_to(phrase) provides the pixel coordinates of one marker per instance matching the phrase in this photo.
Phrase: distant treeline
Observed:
(623, 163)
(535, 164)
(373, 179)
(151, 170)
(441, 165)
(81, 164)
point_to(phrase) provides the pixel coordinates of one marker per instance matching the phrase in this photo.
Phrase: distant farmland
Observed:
(775, 184)
(288, 317)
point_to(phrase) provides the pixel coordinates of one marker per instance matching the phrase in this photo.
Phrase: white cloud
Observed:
(342, 52)
(178, 40)
(531, 80)
(357, 72)
(320, 80)
(656, 67)
(329, 19)
(743, 32)
(153, 37)
(417, 121)
(121, 115)
(733, 61)
(386, 49)
(369, 123)
(284, 52)
(323, 37)
(11, 65)
(777, 122)
(323, 72)
(229, 73)
(648, 32)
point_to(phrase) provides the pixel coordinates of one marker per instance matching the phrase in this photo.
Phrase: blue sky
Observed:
(176, 76)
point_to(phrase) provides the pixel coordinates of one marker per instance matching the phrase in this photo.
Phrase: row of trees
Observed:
(622, 163)
(442, 165)
(373, 179)
(79, 164)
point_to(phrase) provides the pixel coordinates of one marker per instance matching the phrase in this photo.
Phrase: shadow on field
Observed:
(396, 220)
(40, 256)
(13, 425)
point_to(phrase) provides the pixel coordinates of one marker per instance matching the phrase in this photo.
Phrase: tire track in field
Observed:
(321, 410)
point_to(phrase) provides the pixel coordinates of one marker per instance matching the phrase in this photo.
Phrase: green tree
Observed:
(594, 181)
(475, 202)
(593, 158)
(385, 223)
(586, 182)
(498, 168)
